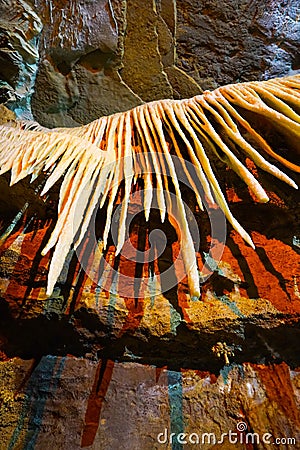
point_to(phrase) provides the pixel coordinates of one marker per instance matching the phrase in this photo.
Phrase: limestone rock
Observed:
(74, 403)
(76, 28)
(20, 27)
(142, 65)
(233, 41)
(6, 115)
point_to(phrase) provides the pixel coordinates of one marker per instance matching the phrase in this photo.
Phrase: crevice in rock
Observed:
(81, 335)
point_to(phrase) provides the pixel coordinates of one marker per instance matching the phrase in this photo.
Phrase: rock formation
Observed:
(89, 369)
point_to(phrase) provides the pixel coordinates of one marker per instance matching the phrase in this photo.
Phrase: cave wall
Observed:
(20, 27)
(97, 58)
(73, 403)
(90, 369)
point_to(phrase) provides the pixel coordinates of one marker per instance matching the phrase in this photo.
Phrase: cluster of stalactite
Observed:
(94, 160)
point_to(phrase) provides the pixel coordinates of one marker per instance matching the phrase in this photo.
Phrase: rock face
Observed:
(184, 46)
(118, 69)
(20, 27)
(74, 403)
(94, 59)
(229, 41)
(169, 362)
